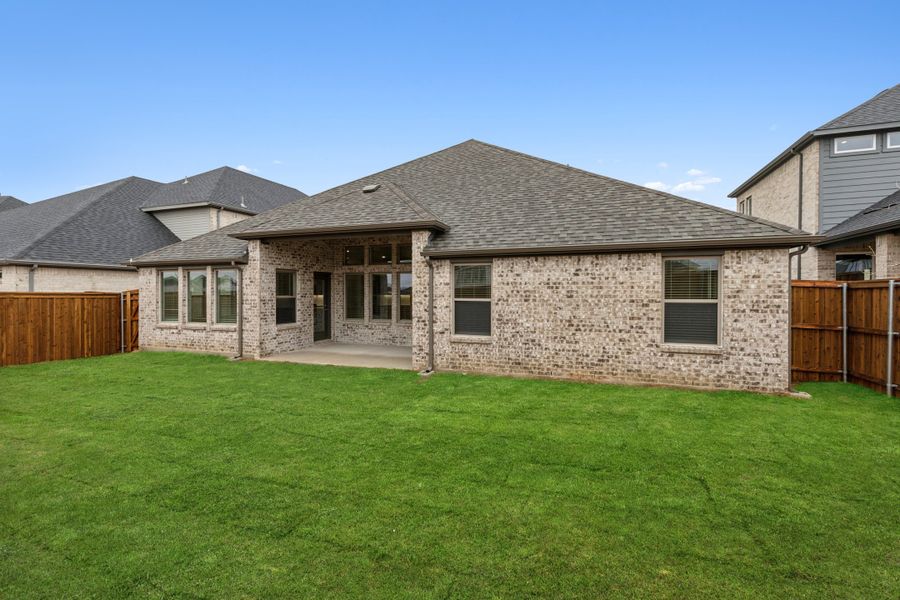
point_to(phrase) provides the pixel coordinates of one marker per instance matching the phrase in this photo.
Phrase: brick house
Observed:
(479, 258)
(78, 242)
(840, 181)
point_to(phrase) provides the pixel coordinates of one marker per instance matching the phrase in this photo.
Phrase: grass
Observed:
(174, 475)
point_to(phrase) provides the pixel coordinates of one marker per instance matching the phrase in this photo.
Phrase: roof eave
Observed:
(63, 265)
(340, 230)
(773, 164)
(687, 245)
(858, 233)
(152, 209)
(174, 262)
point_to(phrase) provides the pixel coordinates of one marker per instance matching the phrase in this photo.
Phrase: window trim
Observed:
(237, 295)
(162, 309)
(887, 140)
(392, 259)
(365, 252)
(293, 273)
(454, 300)
(719, 300)
(836, 152)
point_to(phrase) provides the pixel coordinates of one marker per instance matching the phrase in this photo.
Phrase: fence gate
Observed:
(846, 331)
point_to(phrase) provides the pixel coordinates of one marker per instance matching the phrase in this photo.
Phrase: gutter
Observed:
(865, 231)
(786, 241)
(63, 265)
(190, 261)
(31, 271)
(799, 205)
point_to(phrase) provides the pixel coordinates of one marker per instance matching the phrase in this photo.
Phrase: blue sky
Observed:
(695, 96)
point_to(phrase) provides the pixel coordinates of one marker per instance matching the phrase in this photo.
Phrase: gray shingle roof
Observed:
(225, 187)
(102, 225)
(10, 202)
(881, 216)
(494, 199)
(883, 108)
(213, 247)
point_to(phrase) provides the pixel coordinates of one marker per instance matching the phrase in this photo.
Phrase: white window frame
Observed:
(874, 147)
(887, 140)
(718, 301)
(454, 300)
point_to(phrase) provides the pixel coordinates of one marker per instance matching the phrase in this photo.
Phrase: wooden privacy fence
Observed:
(846, 331)
(36, 327)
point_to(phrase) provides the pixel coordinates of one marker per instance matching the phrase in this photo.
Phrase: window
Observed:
(854, 143)
(404, 254)
(892, 140)
(406, 284)
(472, 299)
(226, 296)
(853, 267)
(380, 255)
(749, 205)
(382, 295)
(197, 296)
(691, 301)
(354, 295)
(168, 299)
(354, 255)
(285, 297)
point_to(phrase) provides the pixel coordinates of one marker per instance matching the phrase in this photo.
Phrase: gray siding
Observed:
(186, 223)
(850, 183)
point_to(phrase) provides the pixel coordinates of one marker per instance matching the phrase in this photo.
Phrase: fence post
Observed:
(122, 322)
(844, 330)
(890, 340)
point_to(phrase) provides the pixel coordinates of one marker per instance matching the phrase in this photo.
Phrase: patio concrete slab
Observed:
(349, 355)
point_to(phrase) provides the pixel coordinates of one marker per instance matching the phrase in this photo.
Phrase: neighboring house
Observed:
(839, 180)
(480, 258)
(79, 241)
(10, 202)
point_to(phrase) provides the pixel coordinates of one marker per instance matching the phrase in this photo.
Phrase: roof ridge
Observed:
(642, 188)
(415, 205)
(229, 168)
(119, 183)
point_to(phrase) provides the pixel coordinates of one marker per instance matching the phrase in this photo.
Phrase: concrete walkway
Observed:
(349, 355)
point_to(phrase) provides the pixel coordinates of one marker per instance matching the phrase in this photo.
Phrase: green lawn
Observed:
(174, 475)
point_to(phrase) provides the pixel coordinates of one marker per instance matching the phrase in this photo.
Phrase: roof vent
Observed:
(185, 180)
(371, 188)
(243, 204)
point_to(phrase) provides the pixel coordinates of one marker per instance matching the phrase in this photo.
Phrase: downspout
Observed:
(31, 271)
(240, 313)
(219, 218)
(791, 255)
(799, 204)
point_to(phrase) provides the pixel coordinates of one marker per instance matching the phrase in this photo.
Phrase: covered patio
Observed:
(349, 355)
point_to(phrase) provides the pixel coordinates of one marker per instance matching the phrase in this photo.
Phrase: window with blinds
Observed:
(226, 296)
(354, 295)
(285, 297)
(691, 299)
(168, 297)
(197, 296)
(472, 300)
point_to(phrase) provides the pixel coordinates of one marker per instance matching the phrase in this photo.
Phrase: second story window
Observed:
(892, 140)
(854, 143)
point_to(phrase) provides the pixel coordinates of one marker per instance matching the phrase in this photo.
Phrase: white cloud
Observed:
(689, 186)
(695, 173)
(662, 165)
(246, 169)
(656, 185)
(708, 180)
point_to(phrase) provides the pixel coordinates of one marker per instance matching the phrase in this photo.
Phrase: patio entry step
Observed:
(349, 355)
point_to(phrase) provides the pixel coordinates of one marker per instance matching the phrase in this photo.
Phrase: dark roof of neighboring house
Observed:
(10, 202)
(884, 215)
(223, 188)
(99, 226)
(482, 199)
(880, 112)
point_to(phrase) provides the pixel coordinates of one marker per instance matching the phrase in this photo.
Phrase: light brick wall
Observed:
(887, 256)
(776, 198)
(599, 318)
(56, 279)
(182, 335)
(219, 218)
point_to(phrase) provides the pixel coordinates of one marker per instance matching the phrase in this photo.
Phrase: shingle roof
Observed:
(492, 199)
(10, 202)
(224, 187)
(880, 112)
(213, 247)
(102, 225)
(881, 216)
(883, 108)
